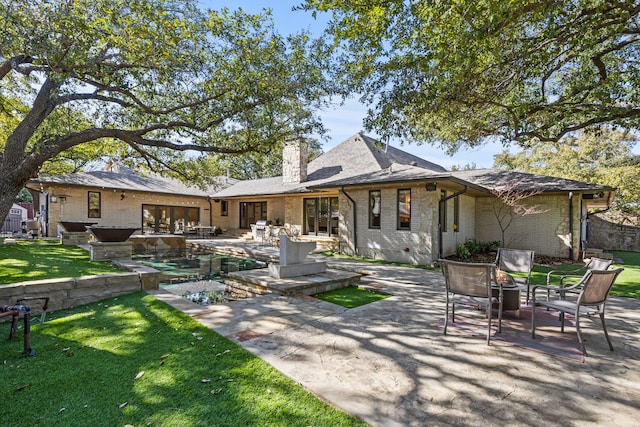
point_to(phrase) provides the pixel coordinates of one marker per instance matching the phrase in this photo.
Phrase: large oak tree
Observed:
(151, 79)
(458, 72)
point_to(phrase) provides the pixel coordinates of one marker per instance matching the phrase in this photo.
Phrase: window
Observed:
(456, 214)
(94, 206)
(443, 210)
(404, 209)
(321, 216)
(169, 219)
(250, 212)
(224, 208)
(374, 209)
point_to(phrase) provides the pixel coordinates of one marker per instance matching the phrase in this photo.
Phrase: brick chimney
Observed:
(294, 162)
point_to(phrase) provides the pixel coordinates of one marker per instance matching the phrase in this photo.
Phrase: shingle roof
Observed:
(357, 155)
(122, 178)
(495, 179)
(481, 179)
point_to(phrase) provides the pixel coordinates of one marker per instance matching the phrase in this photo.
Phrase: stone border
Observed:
(72, 292)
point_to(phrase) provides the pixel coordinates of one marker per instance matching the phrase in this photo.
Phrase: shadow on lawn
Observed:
(135, 360)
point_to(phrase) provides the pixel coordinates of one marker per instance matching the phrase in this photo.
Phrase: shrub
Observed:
(462, 251)
(475, 247)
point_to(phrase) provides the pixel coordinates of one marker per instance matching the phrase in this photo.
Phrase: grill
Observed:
(261, 227)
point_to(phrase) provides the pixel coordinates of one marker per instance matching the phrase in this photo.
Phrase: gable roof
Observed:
(357, 155)
(120, 177)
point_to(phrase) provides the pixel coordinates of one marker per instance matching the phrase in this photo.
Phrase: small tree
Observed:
(24, 196)
(509, 203)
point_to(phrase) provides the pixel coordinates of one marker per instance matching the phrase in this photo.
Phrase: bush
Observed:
(462, 251)
(475, 247)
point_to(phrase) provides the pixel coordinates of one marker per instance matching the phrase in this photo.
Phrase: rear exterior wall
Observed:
(115, 211)
(416, 245)
(547, 232)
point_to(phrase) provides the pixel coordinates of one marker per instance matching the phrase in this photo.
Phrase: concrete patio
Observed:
(388, 364)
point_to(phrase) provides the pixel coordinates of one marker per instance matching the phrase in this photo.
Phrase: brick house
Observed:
(116, 196)
(369, 199)
(381, 202)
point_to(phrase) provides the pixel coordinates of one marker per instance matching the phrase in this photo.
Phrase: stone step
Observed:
(239, 289)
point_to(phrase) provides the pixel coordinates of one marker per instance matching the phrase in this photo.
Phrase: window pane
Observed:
(310, 216)
(404, 209)
(456, 214)
(443, 210)
(94, 205)
(374, 209)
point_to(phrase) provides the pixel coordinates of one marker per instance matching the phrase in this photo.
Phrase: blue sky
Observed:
(343, 121)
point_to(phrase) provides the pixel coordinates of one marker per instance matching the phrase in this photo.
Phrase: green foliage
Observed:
(476, 247)
(473, 247)
(48, 259)
(24, 196)
(264, 164)
(604, 157)
(463, 252)
(108, 367)
(143, 81)
(460, 71)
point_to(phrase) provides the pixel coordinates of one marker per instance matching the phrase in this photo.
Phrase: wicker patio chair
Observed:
(516, 261)
(592, 291)
(470, 284)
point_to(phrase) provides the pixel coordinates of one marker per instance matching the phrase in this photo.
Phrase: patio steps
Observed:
(259, 282)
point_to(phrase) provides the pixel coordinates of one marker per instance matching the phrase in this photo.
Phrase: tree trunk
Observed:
(12, 180)
(8, 193)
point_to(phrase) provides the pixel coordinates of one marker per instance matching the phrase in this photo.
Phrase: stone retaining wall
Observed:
(71, 292)
(613, 237)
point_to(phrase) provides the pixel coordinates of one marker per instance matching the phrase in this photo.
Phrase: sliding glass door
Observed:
(158, 219)
(250, 212)
(321, 216)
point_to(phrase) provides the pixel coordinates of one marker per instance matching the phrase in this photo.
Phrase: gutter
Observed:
(355, 224)
(441, 203)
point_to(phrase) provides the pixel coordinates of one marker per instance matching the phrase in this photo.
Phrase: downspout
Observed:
(441, 203)
(586, 238)
(210, 211)
(355, 224)
(571, 225)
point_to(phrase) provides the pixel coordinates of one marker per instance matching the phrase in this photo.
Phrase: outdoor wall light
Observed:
(123, 195)
(431, 186)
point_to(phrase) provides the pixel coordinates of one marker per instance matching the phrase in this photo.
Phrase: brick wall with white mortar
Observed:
(416, 245)
(116, 211)
(546, 233)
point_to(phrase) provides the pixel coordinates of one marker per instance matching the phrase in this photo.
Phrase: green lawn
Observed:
(134, 360)
(626, 285)
(351, 296)
(47, 259)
